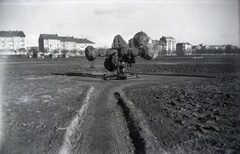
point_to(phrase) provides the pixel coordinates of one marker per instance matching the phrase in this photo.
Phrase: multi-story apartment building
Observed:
(48, 43)
(184, 48)
(170, 45)
(53, 42)
(212, 49)
(83, 43)
(12, 40)
(68, 43)
(215, 47)
(162, 45)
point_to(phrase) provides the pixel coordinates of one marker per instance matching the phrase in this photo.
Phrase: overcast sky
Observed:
(211, 22)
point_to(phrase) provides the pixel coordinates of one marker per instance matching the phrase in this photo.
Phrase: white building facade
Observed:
(53, 43)
(170, 45)
(12, 40)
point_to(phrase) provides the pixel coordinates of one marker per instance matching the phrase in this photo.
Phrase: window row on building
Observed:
(53, 42)
(169, 47)
(12, 40)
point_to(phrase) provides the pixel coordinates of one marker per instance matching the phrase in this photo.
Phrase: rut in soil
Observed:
(134, 131)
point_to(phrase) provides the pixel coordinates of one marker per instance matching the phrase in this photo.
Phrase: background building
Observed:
(83, 43)
(48, 43)
(12, 40)
(163, 50)
(184, 48)
(52, 43)
(215, 49)
(68, 43)
(169, 44)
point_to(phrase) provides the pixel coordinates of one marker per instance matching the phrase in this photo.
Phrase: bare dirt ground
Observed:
(191, 116)
(178, 105)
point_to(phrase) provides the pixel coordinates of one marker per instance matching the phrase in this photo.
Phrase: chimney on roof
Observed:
(17, 31)
(10, 31)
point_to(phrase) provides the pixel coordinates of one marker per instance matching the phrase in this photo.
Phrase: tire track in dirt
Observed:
(152, 145)
(134, 131)
(101, 128)
(108, 127)
(76, 122)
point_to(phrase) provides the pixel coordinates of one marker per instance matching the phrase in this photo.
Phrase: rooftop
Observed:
(168, 37)
(184, 43)
(12, 33)
(65, 38)
(84, 41)
(49, 36)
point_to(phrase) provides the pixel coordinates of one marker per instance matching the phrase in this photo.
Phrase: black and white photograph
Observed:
(119, 77)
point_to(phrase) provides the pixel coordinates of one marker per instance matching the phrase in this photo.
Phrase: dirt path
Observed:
(108, 127)
(100, 127)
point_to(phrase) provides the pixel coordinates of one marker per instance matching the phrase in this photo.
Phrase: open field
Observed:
(178, 105)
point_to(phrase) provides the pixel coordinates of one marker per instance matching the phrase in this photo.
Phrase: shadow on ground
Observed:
(80, 74)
